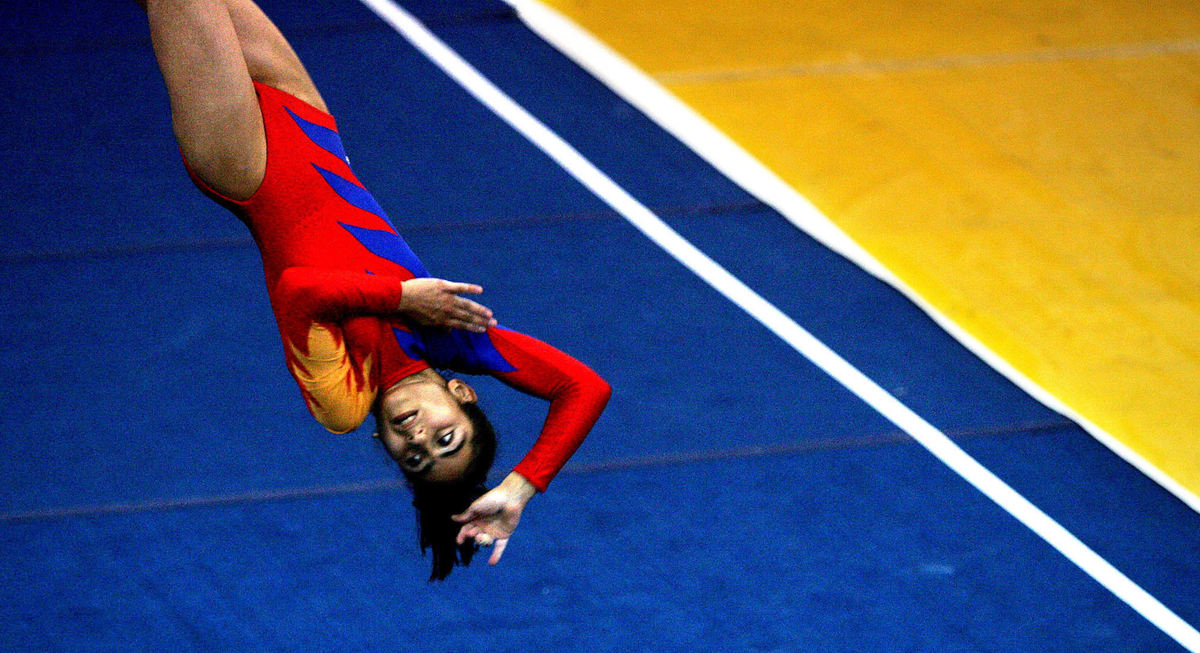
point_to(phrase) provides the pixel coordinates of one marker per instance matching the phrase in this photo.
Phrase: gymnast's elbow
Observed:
(601, 390)
(341, 419)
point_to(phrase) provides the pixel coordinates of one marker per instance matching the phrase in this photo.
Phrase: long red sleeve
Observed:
(577, 396)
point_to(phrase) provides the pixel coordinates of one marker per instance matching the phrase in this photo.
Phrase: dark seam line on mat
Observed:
(235, 242)
(638, 462)
(158, 505)
(468, 17)
(808, 446)
(115, 251)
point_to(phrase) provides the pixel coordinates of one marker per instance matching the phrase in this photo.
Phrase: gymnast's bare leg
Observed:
(209, 52)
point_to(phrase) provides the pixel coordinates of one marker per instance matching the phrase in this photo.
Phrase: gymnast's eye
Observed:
(413, 460)
(445, 440)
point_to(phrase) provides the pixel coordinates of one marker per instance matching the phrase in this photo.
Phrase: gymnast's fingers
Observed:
(459, 288)
(498, 551)
(474, 309)
(466, 532)
(472, 322)
(468, 326)
(479, 317)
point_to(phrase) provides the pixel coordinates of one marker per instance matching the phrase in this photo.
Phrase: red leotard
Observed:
(334, 266)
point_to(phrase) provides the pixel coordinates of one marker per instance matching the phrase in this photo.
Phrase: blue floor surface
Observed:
(142, 364)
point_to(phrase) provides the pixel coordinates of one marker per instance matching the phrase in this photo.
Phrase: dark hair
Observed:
(437, 502)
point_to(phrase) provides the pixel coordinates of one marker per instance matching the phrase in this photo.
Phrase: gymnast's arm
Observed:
(577, 396)
(329, 295)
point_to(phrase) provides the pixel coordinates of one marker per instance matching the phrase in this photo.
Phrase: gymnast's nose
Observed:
(417, 434)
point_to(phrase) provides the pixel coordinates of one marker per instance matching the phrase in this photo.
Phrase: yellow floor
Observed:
(1031, 169)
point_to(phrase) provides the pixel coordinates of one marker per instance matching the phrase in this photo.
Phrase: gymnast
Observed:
(365, 328)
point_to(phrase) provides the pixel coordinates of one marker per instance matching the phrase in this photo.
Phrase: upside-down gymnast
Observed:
(364, 326)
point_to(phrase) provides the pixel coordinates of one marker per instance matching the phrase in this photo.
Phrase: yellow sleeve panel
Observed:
(338, 395)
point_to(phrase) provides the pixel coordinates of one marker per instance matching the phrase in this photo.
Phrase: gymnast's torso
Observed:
(334, 266)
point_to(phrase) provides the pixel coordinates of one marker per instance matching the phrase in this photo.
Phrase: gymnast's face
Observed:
(424, 428)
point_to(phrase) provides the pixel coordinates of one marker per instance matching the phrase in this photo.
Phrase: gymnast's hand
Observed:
(493, 517)
(436, 303)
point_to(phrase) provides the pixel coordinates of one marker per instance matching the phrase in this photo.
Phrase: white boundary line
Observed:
(782, 325)
(692, 129)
